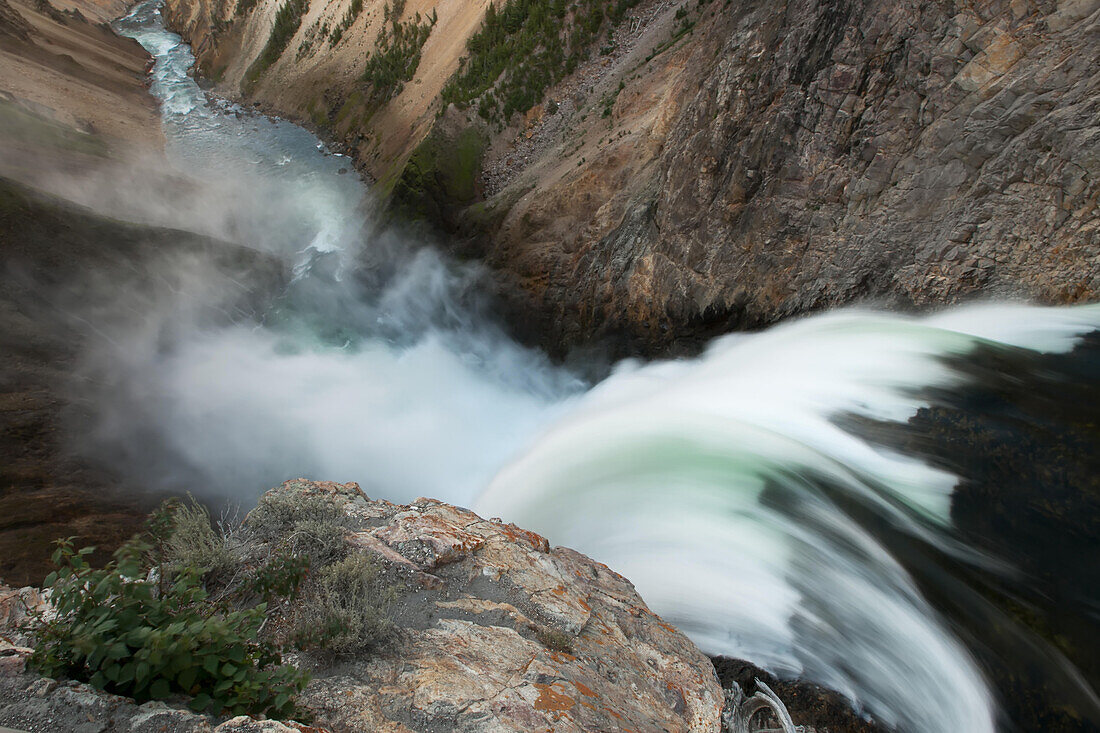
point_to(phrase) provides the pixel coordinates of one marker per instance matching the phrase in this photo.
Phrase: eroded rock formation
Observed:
(471, 657)
(775, 159)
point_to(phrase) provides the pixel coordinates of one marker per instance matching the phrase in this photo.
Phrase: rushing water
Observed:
(725, 486)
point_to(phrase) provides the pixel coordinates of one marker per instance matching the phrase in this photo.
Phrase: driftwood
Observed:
(740, 714)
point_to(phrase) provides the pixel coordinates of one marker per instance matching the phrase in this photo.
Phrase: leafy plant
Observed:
(281, 576)
(124, 634)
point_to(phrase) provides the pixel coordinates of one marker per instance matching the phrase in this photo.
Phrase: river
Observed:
(774, 498)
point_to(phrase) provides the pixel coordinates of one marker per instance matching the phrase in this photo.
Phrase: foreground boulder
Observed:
(495, 630)
(504, 633)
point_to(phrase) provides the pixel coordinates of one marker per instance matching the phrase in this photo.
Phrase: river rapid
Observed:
(781, 498)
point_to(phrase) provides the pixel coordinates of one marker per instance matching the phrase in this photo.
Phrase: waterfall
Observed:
(721, 487)
(726, 487)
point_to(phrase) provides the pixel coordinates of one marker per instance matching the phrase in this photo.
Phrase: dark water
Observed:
(1023, 436)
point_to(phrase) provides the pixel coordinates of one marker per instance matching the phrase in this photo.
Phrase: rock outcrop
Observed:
(727, 165)
(830, 152)
(497, 631)
(504, 633)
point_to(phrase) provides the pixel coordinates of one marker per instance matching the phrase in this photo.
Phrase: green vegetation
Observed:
(554, 640)
(343, 605)
(526, 47)
(685, 26)
(193, 543)
(126, 635)
(609, 99)
(396, 53)
(345, 23)
(318, 113)
(287, 21)
(440, 177)
(349, 613)
(183, 607)
(33, 129)
(305, 526)
(312, 38)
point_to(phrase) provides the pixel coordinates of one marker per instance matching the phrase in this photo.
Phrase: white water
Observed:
(397, 386)
(699, 480)
(660, 472)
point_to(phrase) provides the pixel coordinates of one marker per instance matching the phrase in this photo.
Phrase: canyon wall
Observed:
(710, 166)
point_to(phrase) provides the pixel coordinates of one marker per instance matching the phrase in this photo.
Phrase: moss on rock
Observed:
(440, 178)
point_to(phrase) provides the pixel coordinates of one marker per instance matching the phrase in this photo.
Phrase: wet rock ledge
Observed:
(496, 631)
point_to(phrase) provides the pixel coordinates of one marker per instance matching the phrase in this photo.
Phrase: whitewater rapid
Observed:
(722, 486)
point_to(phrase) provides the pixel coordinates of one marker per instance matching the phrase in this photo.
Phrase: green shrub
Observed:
(288, 19)
(348, 612)
(276, 515)
(310, 526)
(396, 54)
(354, 9)
(554, 640)
(126, 635)
(191, 542)
(281, 576)
(440, 178)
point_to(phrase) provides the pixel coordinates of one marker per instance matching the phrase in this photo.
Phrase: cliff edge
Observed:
(493, 630)
(658, 171)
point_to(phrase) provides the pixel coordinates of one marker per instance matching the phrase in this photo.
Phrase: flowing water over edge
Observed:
(722, 486)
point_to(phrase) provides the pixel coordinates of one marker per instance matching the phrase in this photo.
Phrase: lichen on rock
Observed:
(494, 630)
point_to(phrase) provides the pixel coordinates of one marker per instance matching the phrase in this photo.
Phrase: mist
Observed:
(367, 357)
(247, 320)
(254, 322)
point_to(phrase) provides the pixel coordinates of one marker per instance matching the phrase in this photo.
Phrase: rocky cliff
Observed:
(496, 630)
(708, 166)
(74, 108)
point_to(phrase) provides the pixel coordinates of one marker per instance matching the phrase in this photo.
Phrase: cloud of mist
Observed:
(302, 341)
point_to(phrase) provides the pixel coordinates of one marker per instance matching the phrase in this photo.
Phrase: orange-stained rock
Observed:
(497, 632)
(472, 654)
(16, 604)
(428, 538)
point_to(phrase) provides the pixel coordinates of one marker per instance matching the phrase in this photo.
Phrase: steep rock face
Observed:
(68, 68)
(317, 80)
(62, 268)
(824, 153)
(497, 631)
(780, 158)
